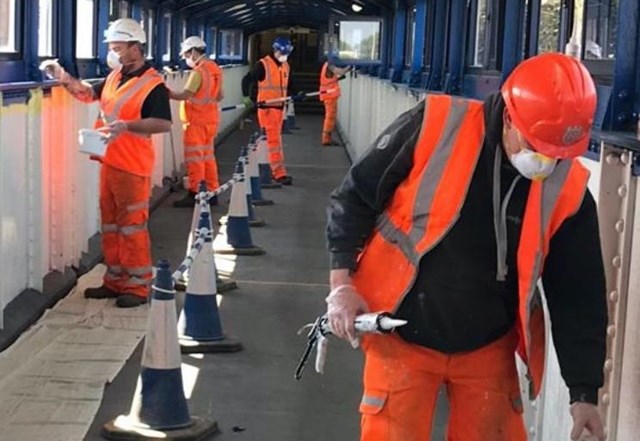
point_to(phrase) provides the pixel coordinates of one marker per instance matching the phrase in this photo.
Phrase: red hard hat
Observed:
(551, 100)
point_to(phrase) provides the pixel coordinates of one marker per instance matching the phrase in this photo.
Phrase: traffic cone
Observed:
(199, 326)
(224, 285)
(238, 236)
(285, 121)
(159, 409)
(253, 220)
(264, 168)
(254, 174)
(291, 117)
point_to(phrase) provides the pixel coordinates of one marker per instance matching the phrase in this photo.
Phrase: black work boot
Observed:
(188, 201)
(130, 301)
(285, 180)
(101, 292)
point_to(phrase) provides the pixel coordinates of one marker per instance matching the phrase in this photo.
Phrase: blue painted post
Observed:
(512, 37)
(399, 31)
(532, 47)
(103, 24)
(418, 44)
(66, 44)
(625, 74)
(457, 42)
(438, 48)
(31, 42)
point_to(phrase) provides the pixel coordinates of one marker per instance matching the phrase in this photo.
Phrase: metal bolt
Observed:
(608, 365)
(532, 430)
(613, 296)
(611, 330)
(622, 191)
(620, 226)
(617, 261)
(612, 159)
(624, 158)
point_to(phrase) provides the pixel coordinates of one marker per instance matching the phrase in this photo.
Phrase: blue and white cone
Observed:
(159, 409)
(291, 117)
(264, 168)
(224, 284)
(238, 236)
(199, 326)
(253, 220)
(254, 175)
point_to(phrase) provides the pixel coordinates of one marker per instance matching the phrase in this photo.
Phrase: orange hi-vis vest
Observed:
(202, 108)
(427, 204)
(328, 84)
(130, 152)
(275, 83)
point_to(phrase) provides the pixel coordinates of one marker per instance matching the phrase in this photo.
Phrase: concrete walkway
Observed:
(252, 394)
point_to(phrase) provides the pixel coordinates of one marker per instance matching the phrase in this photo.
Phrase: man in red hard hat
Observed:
(449, 221)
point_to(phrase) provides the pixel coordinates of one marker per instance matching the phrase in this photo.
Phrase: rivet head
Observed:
(532, 430)
(606, 399)
(620, 226)
(622, 191)
(613, 296)
(617, 261)
(612, 159)
(608, 365)
(624, 158)
(611, 330)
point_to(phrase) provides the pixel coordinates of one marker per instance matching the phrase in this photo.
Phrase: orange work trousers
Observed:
(402, 380)
(199, 155)
(270, 119)
(124, 207)
(330, 113)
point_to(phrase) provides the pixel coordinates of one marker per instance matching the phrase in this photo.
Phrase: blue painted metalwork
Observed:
(418, 44)
(625, 86)
(512, 36)
(457, 45)
(399, 32)
(436, 79)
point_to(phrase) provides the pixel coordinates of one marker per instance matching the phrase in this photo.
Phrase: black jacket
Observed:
(456, 304)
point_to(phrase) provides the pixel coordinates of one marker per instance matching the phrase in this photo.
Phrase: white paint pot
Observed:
(92, 142)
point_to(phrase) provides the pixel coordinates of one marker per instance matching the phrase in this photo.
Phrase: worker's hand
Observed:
(344, 304)
(586, 418)
(299, 96)
(52, 69)
(114, 129)
(248, 103)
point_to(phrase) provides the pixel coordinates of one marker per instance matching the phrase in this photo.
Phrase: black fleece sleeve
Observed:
(574, 285)
(368, 186)
(252, 77)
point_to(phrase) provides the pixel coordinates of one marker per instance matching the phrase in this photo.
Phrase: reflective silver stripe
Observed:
(115, 269)
(138, 270)
(435, 168)
(138, 206)
(137, 281)
(551, 189)
(193, 159)
(368, 400)
(208, 157)
(111, 276)
(268, 84)
(109, 228)
(132, 229)
(197, 148)
(395, 236)
(135, 87)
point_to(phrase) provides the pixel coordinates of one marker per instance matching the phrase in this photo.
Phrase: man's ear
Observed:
(506, 119)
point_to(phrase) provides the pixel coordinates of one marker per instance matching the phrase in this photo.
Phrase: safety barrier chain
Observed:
(203, 199)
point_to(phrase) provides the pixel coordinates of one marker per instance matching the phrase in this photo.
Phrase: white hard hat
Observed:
(125, 29)
(192, 42)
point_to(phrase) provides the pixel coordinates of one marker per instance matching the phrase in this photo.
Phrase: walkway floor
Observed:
(252, 394)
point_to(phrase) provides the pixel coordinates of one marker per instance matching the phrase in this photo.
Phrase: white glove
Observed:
(344, 304)
(52, 69)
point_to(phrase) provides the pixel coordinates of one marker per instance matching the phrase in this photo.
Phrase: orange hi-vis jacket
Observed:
(129, 152)
(328, 84)
(202, 108)
(427, 204)
(276, 81)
